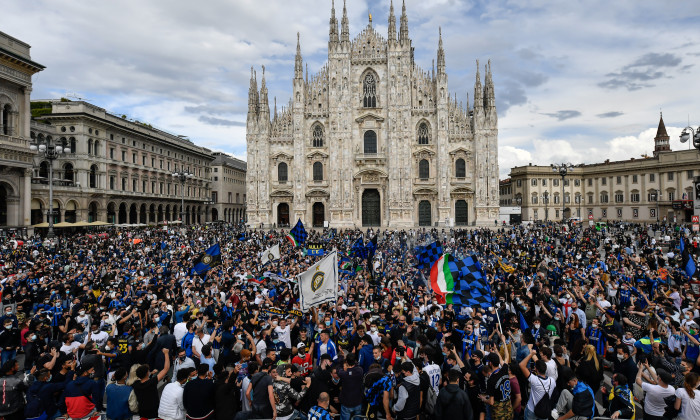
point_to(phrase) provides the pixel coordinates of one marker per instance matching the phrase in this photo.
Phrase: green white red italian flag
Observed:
(292, 239)
(441, 279)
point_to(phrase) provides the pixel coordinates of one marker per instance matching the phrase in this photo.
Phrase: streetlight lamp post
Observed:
(51, 150)
(562, 169)
(182, 176)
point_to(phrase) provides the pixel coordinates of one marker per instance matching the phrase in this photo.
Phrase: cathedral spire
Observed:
(275, 114)
(478, 91)
(253, 93)
(392, 23)
(263, 106)
(298, 64)
(333, 32)
(440, 56)
(489, 96)
(403, 35)
(345, 25)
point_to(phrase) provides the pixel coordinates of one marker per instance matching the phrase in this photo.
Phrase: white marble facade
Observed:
(371, 139)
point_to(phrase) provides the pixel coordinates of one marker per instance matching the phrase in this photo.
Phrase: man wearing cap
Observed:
(303, 359)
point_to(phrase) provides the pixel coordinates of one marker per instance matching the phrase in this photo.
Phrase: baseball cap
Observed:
(301, 346)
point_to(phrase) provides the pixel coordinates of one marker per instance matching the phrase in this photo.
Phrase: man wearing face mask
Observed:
(171, 400)
(624, 364)
(182, 362)
(83, 395)
(9, 340)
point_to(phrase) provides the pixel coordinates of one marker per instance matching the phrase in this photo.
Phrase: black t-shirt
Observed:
(147, 396)
(498, 385)
(260, 383)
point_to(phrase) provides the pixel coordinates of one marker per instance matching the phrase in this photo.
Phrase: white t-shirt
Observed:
(261, 349)
(552, 370)
(690, 407)
(68, 348)
(100, 338)
(433, 372)
(284, 335)
(198, 343)
(180, 331)
(376, 339)
(538, 387)
(654, 398)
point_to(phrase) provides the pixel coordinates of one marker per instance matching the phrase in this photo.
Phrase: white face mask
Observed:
(107, 348)
(537, 325)
(620, 357)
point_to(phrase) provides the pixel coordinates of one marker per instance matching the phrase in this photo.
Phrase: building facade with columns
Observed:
(372, 139)
(647, 189)
(118, 170)
(16, 70)
(228, 193)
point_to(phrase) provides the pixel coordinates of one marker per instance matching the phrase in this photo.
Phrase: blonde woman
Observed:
(590, 369)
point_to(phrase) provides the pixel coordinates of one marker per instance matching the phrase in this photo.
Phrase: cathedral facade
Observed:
(372, 140)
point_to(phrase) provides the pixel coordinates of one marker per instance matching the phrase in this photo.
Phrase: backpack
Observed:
(543, 408)
(430, 400)
(11, 396)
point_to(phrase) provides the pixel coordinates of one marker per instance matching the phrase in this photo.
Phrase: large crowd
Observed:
(584, 323)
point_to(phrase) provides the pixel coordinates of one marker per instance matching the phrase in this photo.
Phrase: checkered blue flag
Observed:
(359, 249)
(428, 254)
(472, 287)
(298, 234)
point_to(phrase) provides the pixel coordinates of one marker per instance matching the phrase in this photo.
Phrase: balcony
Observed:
(17, 143)
(370, 158)
(57, 182)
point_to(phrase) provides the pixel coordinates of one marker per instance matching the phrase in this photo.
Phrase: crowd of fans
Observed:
(584, 323)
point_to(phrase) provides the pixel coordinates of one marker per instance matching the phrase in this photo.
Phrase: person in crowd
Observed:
(453, 402)
(655, 394)
(117, 396)
(199, 394)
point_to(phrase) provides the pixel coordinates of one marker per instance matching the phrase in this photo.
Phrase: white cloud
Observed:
(173, 61)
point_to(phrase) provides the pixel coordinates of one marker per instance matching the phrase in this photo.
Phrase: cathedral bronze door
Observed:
(371, 208)
(461, 213)
(283, 214)
(319, 214)
(424, 217)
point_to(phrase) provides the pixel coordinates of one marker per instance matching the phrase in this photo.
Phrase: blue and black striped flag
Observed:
(428, 254)
(210, 258)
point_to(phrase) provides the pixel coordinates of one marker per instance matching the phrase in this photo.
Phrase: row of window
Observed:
(670, 176)
(423, 170)
(604, 198)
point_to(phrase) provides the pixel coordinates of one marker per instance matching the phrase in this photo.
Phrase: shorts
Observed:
(502, 411)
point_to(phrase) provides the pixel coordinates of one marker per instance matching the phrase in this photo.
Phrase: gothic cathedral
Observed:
(372, 140)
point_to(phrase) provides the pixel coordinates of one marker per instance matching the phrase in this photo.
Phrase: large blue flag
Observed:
(297, 235)
(428, 254)
(210, 258)
(687, 262)
(471, 287)
(359, 249)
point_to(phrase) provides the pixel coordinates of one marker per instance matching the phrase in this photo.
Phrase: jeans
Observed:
(346, 413)
(8, 355)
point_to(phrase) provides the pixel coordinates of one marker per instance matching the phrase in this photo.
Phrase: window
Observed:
(556, 198)
(123, 156)
(567, 198)
(93, 176)
(577, 198)
(216, 178)
(691, 174)
(461, 170)
(161, 188)
(111, 152)
(111, 182)
(590, 198)
(566, 182)
(370, 144)
(670, 176)
(423, 135)
(604, 196)
(68, 173)
(533, 200)
(143, 160)
(634, 197)
(590, 182)
(671, 195)
(652, 177)
(153, 162)
(534, 182)
(544, 182)
(123, 184)
(555, 182)
(619, 197)
(604, 181)
(318, 171)
(282, 172)
(634, 179)
(519, 183)
(237, 198)
(89, 146)
(423, 169)
(153, 187)
(369, 91)
(215, 196)
(652, 196)
(133, 158)
(317, 136)
(556, 213)
(618, 180)
(143, 186)
(134, 185)
(577, 182)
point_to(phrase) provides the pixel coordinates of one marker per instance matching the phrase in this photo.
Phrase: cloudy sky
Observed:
(576, 81)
